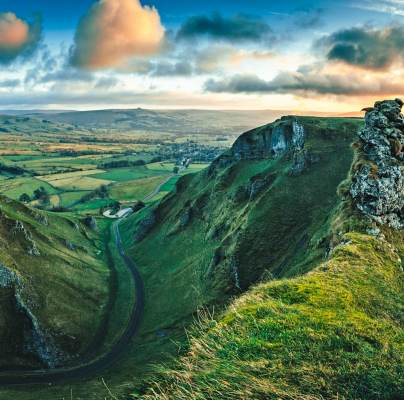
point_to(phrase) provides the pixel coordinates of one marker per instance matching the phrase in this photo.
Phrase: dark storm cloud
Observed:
(306, 81)
(239, 28)
(18, 38)
(239, 84)
(365, 47)
(67, 74)
(180, 68)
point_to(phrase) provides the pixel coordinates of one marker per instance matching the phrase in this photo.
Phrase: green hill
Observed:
(275, 273)
(277, 208)
(53, 287)
(252, 215)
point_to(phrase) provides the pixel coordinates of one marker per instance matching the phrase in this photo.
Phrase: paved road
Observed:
(90, 368)
(157, 189)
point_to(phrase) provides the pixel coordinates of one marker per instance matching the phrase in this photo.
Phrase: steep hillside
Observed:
(260, 210)
(334, 332)
(54, 285)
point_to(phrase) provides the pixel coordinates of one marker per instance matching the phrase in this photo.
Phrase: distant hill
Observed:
(172, 121)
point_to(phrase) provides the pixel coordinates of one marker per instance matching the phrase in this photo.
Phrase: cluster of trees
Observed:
(40, 194)
(12, 169)
(121, 164)
(101, 193)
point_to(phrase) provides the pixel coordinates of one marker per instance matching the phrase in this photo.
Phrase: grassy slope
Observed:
(345, 310)
(283, 224)
(335, 333)
(66, 286)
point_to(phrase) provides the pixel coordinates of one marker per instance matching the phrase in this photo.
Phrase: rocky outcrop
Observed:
(255, 186)
(19, 228)
(90, 222)
(270, 141)
(285, 136)
(378, 180)
(36, 341)
(301, 160)
(145, 226)
(8, 278)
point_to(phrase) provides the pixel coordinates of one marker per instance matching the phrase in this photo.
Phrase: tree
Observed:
(40, 193)
(42, 196)
(176, 169)
(24, 198)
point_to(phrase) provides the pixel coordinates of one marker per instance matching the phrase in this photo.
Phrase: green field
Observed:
(128, 174)
(15, 187)
(135, 190)
(169, 166)
(170, 185)
(68, 198)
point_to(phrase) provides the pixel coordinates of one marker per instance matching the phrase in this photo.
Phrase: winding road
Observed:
(8, 378)
(157, 189)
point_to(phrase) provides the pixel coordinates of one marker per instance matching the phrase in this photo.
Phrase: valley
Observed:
(201, 200)
(250, 259)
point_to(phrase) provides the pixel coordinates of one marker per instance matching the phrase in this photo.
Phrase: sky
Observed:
(323, 56)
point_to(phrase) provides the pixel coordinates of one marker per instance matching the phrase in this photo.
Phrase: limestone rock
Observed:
(145, 226)
(8, 278)
(378, 184)
(90, 222)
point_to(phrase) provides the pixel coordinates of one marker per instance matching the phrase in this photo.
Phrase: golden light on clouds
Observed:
(114, 31)
(14, 32)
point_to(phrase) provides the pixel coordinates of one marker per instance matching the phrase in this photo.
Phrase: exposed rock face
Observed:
(90, 222)
(378, 184)
(270, 141)
(32, 248)
(36, 341)
(8, 278)
(285, 136)
(145, 226)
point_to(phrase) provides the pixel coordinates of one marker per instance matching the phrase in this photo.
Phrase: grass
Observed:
(67, 175)
(66, 286)
(136, 189)
(170, 185)
(127, 174)
(78, 183)
(69, 198)
(95, 204)
(14, 188)
(169, 166)
(334, 333)
(313, 330)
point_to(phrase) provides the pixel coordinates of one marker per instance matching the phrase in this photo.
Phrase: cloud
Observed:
(365, 47)
(216, 58)
(309, 18)
(114, 31)
(243, 83)
(391, 7)
(10, 83)
(66, 74)
(311, 80)
(239, 28)
(18, 38)
(180, 68)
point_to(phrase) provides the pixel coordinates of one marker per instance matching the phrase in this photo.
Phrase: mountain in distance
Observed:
(172, 121)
